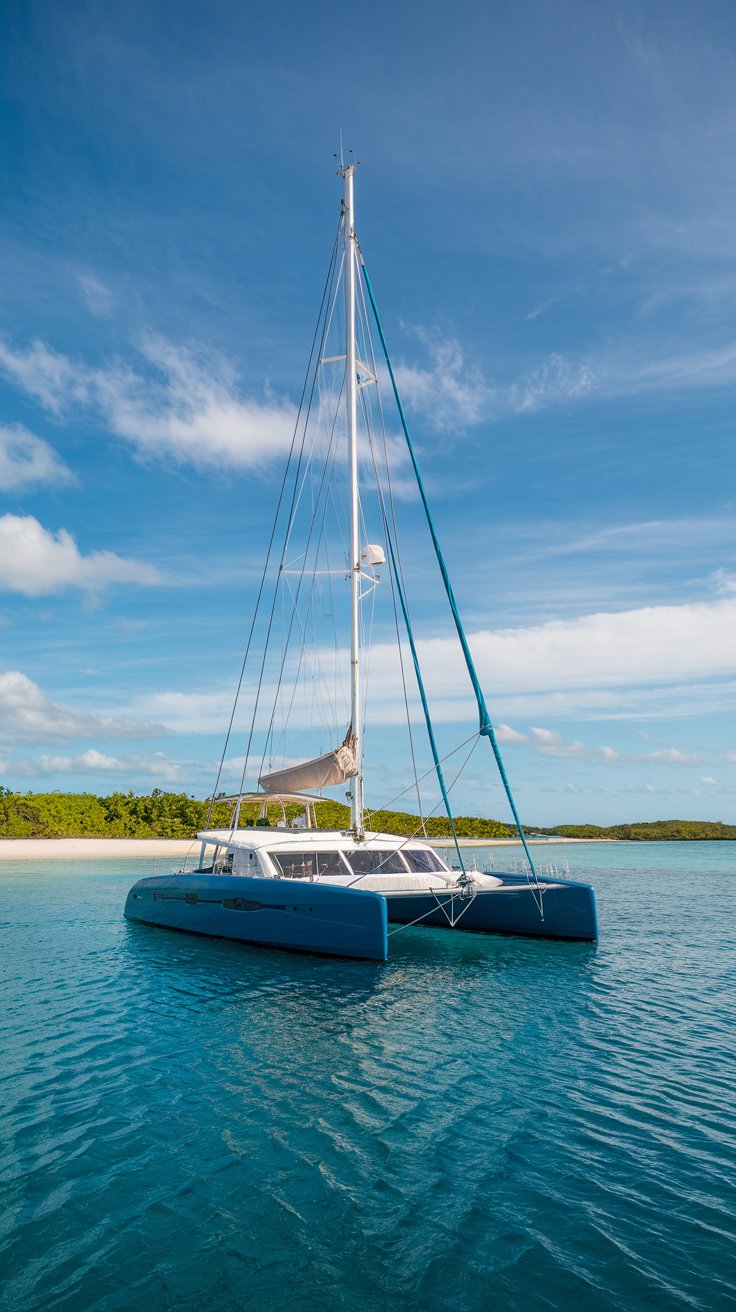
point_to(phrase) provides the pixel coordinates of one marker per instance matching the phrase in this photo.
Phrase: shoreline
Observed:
(29, 849)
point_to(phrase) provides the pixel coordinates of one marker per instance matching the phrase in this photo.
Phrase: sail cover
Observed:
(333, 768)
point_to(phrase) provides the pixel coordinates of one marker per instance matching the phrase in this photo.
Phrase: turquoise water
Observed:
(484, 1123)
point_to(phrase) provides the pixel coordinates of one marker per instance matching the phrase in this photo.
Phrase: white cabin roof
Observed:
(329, 839)
(265, 798)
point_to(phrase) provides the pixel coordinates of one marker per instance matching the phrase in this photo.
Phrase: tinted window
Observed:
(365, 862)
(308, 865)
(416, 859)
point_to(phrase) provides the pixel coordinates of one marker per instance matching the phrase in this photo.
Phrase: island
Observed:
(166, 815)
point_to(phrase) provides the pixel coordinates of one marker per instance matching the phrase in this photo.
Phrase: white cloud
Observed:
(724, 581)
(655, 644)
(50, 377)
(712, 366)
(672, 756)
(28, 713)
(183, 402)
(37, 561)
(451, 393)
(188, 712)
(648, 663)
(505, 734)
(642, 661)
(180, 403)
(553, 382)
(709, 781)
(547, 737)
(97, 297)
(550, 743)
(93, 762)
(26, 460)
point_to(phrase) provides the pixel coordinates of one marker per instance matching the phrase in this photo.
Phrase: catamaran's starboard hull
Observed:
(288, 914)
(512, 908)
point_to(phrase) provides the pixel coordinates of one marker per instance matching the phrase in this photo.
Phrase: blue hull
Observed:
(333, 922)
(569, 910)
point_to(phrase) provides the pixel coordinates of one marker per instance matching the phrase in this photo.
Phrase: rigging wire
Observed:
(389, 485)
(475, 739)
(325, 292)
(420, 682)
(398, 635)
(328, 286)
(486, 724)
(303, 556)
(291, 622)
(432, 770)
(322, 706)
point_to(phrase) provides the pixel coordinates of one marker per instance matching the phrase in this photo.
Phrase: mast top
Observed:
(345, 169)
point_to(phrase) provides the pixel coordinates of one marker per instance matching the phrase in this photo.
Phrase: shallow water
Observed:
(483, 1123)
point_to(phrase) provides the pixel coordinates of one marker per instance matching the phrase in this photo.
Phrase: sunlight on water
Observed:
(481, 1123)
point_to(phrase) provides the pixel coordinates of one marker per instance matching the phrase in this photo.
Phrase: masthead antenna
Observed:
(340, 159)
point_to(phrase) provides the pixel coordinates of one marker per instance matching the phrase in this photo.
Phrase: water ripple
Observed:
(482, 1123)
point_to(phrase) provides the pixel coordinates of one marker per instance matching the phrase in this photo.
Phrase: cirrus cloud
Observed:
(179, 402)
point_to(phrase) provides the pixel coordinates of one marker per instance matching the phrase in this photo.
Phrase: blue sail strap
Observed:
(486, 726)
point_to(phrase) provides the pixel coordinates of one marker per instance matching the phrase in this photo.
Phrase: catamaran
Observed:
(279, 880)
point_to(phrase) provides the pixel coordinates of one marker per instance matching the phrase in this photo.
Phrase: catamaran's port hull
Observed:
(512, 908)
(287, 914)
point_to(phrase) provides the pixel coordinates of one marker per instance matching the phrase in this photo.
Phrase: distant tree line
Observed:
(176, 815)
(121, 815)
(647, 830)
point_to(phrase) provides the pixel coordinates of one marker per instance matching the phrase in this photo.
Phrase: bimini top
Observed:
(278, 799)
(274, 836)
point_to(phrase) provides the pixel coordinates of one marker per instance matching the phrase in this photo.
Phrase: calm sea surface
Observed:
(483, 1123)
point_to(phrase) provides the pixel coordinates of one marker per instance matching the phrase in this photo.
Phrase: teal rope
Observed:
(486, 726)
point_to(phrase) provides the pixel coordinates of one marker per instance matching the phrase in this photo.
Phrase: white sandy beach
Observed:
(15, 849)
(26, 849)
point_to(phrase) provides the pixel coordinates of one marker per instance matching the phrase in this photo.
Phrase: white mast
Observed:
(356, 805)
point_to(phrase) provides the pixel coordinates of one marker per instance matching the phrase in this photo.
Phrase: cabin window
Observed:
(224, 864)
(307, 865)
(417, 859)
(365, 862)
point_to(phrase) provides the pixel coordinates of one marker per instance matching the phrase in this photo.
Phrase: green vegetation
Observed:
(175, 815)
(122, 815)
(648, 831)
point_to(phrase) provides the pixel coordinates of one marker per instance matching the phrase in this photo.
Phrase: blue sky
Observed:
(545, 200)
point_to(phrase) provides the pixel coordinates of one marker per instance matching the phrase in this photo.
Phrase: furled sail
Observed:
(321, 772)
